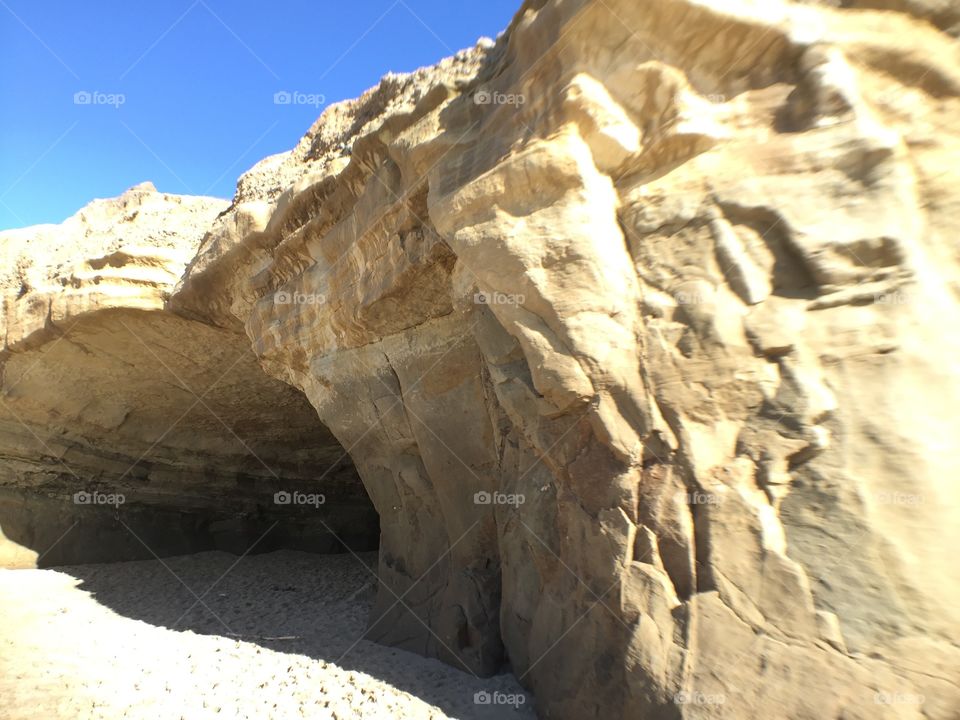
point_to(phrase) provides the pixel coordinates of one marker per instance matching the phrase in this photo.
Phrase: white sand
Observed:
(94, 641)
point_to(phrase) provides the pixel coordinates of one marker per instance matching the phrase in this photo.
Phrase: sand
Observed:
(281, 639)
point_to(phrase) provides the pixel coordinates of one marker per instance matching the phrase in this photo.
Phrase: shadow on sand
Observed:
(293, 603)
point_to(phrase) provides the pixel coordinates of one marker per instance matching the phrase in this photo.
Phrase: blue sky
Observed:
(181, 92)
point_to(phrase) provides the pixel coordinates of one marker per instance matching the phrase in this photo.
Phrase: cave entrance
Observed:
(140, 434)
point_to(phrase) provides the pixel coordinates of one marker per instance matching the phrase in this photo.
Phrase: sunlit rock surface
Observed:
(638, 326)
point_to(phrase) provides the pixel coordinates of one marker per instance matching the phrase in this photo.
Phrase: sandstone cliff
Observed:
(637, 325)
(106, 391)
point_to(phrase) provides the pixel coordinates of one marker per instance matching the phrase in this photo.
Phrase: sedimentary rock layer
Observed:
(637, 324)
(111, 400)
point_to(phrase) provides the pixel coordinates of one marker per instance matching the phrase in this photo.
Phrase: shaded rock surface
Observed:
(109, 400)
(635, 325)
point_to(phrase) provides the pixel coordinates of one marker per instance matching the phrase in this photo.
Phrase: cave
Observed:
(134, 434)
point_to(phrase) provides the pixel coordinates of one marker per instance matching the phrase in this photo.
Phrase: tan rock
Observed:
(680, 275)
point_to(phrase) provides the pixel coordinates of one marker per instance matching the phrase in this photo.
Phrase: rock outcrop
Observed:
(111, 400)
(636, 324)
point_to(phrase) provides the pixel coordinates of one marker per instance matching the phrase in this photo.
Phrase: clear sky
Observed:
(181, 92)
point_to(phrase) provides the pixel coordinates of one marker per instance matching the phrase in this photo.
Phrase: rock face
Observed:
(636, 324)
(108, 394)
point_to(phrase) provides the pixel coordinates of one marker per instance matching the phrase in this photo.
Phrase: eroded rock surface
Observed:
(105, 392)
(637, 324)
